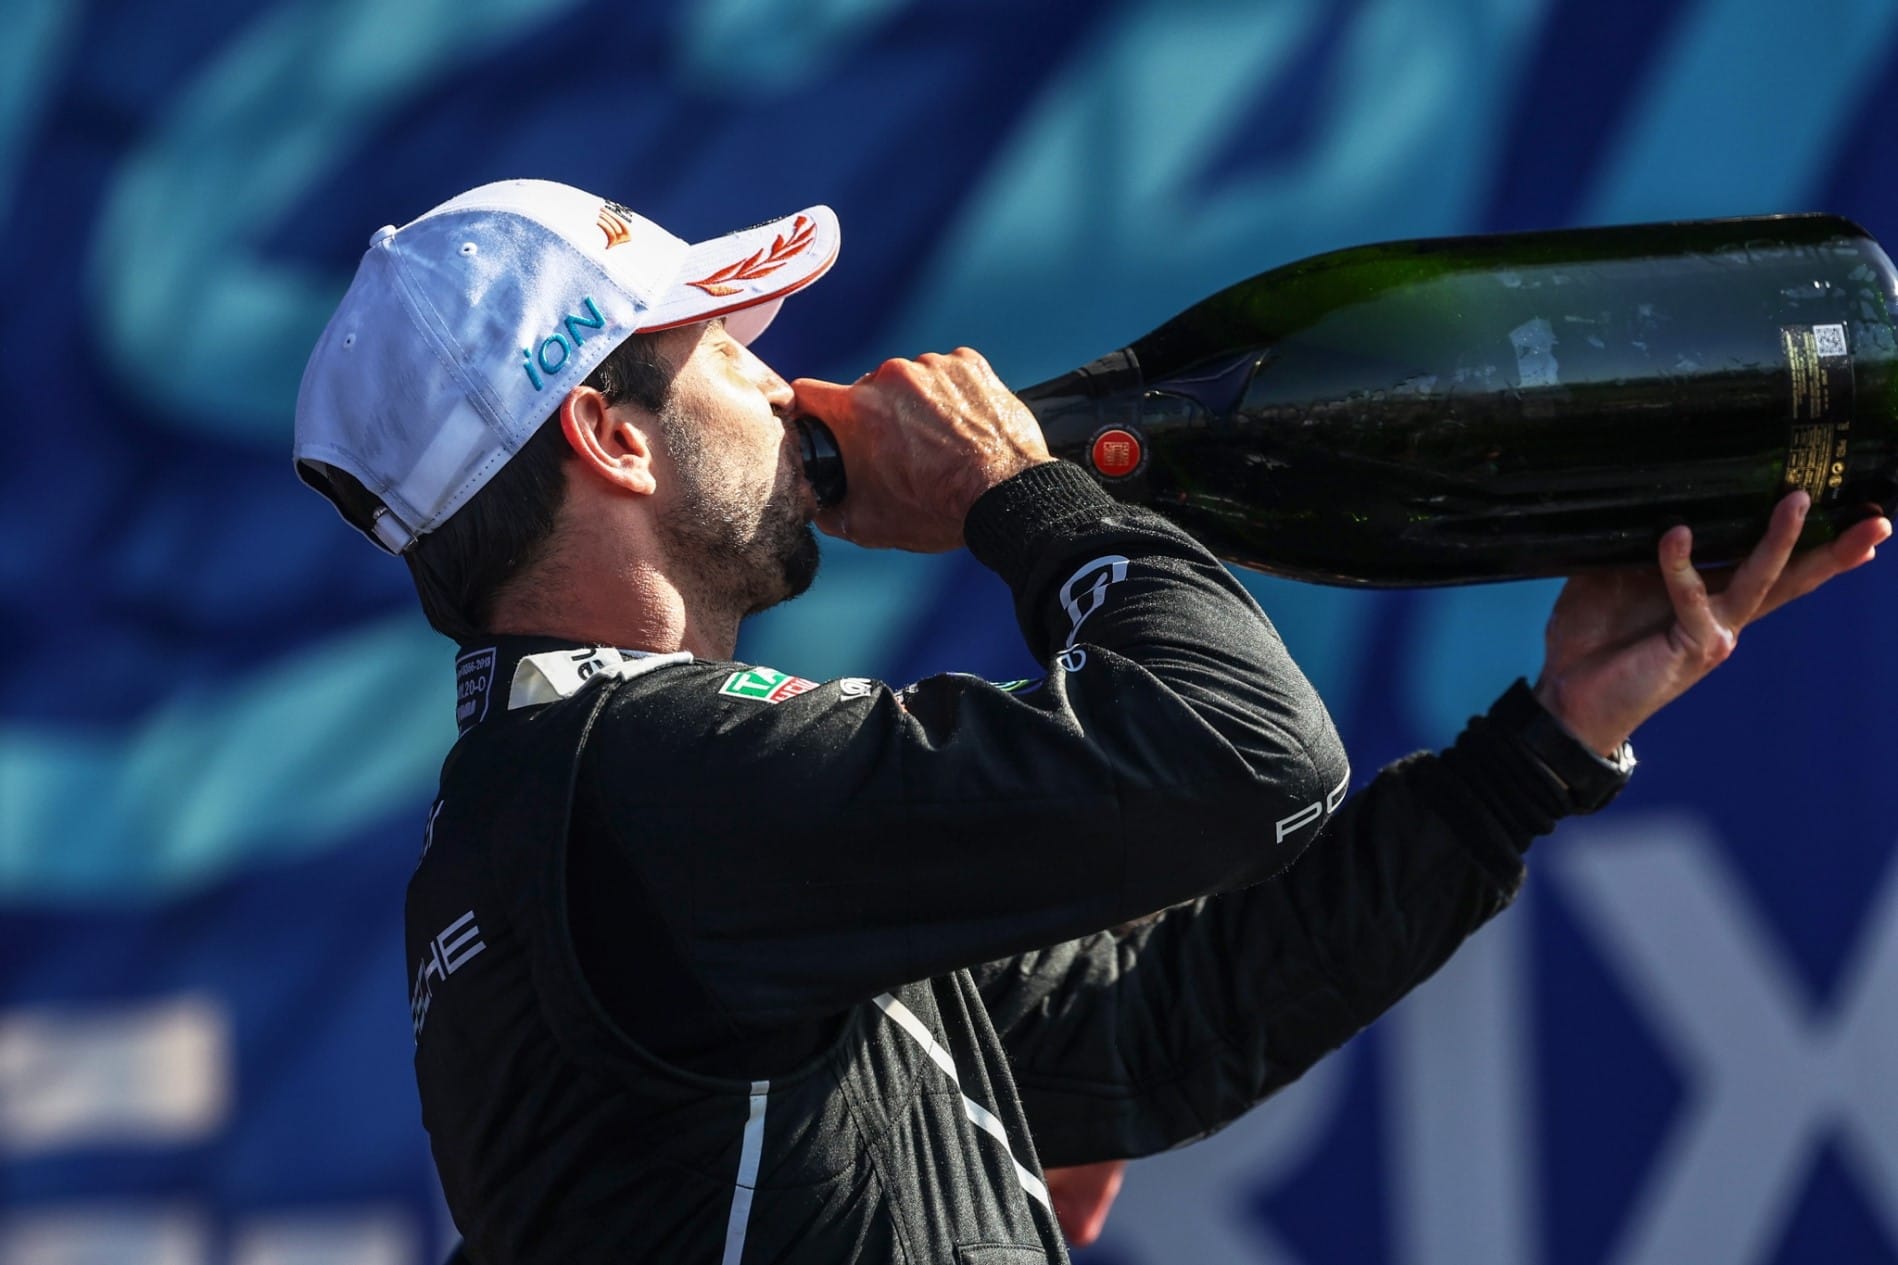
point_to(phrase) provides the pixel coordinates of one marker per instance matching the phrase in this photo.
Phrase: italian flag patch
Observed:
(765, 685)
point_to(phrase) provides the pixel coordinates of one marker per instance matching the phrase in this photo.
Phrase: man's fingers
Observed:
(1697, 633)
(1756, 576)
(1854, 548)
(826, 401)
(831, 523)
(1862, 539)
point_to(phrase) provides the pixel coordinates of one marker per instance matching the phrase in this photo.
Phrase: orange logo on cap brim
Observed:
(617, 234)
(761, 263)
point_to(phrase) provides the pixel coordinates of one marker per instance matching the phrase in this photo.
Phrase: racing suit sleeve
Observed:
(1126, 1045)
(815, 849)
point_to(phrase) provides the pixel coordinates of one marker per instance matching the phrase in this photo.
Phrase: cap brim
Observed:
(744, 276)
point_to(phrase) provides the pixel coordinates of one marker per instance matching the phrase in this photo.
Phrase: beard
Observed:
(742, 560)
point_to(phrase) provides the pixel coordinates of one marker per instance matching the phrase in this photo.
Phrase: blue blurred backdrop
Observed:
(221, 714)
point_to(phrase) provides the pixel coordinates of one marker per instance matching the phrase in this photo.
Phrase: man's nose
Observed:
(779, 393)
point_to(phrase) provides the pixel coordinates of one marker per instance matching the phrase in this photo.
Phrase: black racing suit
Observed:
(711, 964)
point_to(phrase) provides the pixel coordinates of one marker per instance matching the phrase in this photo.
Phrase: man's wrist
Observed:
(1589, 779)
(1602, 742)
(1010, 524)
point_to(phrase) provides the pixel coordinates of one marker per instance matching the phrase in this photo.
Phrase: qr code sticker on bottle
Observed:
(1829, 340)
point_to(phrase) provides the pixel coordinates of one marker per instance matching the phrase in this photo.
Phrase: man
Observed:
(711, 963)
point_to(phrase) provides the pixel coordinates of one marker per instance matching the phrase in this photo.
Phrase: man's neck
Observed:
(641, 610)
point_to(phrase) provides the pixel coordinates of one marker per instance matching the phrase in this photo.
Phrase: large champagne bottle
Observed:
(1492, 408)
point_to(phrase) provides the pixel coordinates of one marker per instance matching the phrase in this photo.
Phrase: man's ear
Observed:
(610, 442)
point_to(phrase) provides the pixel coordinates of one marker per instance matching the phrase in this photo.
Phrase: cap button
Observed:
(382, 235)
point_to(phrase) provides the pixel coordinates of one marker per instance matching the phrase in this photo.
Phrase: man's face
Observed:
(733, 508)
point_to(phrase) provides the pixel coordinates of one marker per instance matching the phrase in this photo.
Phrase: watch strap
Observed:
(1589, 780)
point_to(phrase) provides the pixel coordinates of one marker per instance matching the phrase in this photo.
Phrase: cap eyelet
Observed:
(469, 248)
(349, 339)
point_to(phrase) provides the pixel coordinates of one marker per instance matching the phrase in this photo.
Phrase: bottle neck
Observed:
(1072, 407)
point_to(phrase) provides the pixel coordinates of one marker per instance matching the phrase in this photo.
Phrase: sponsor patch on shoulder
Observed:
(765, 685)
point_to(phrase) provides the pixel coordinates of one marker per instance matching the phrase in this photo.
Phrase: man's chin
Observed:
(801, 563)
(798, 569)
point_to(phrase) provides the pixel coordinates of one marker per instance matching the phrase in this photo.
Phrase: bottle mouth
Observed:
(823, 463)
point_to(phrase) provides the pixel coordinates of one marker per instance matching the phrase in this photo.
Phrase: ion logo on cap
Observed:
(1117, 453)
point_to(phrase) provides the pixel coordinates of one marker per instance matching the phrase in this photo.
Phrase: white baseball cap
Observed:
(464, 329)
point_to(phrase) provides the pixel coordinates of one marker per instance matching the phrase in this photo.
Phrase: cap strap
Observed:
(390, 533)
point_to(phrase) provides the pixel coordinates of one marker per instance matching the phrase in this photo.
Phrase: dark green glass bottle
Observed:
(1489, 408)
(1493, 408)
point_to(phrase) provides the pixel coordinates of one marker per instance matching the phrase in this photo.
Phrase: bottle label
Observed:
(1117, 453)
(1819, 358)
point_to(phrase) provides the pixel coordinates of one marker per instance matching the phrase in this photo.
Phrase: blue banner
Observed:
(221, 714)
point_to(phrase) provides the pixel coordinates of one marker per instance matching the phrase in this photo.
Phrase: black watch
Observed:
(1589, 780)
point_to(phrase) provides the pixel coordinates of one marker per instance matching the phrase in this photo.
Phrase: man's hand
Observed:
(1623, 644)
(921, 440)
(1082, 1194)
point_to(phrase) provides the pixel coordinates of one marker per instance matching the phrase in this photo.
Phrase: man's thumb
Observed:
(826, 401)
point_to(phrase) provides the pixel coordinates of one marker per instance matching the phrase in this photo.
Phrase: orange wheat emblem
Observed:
(764, 262)
(614, 227)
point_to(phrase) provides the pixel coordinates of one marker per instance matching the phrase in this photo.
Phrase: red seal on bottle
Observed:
(1116, 453)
